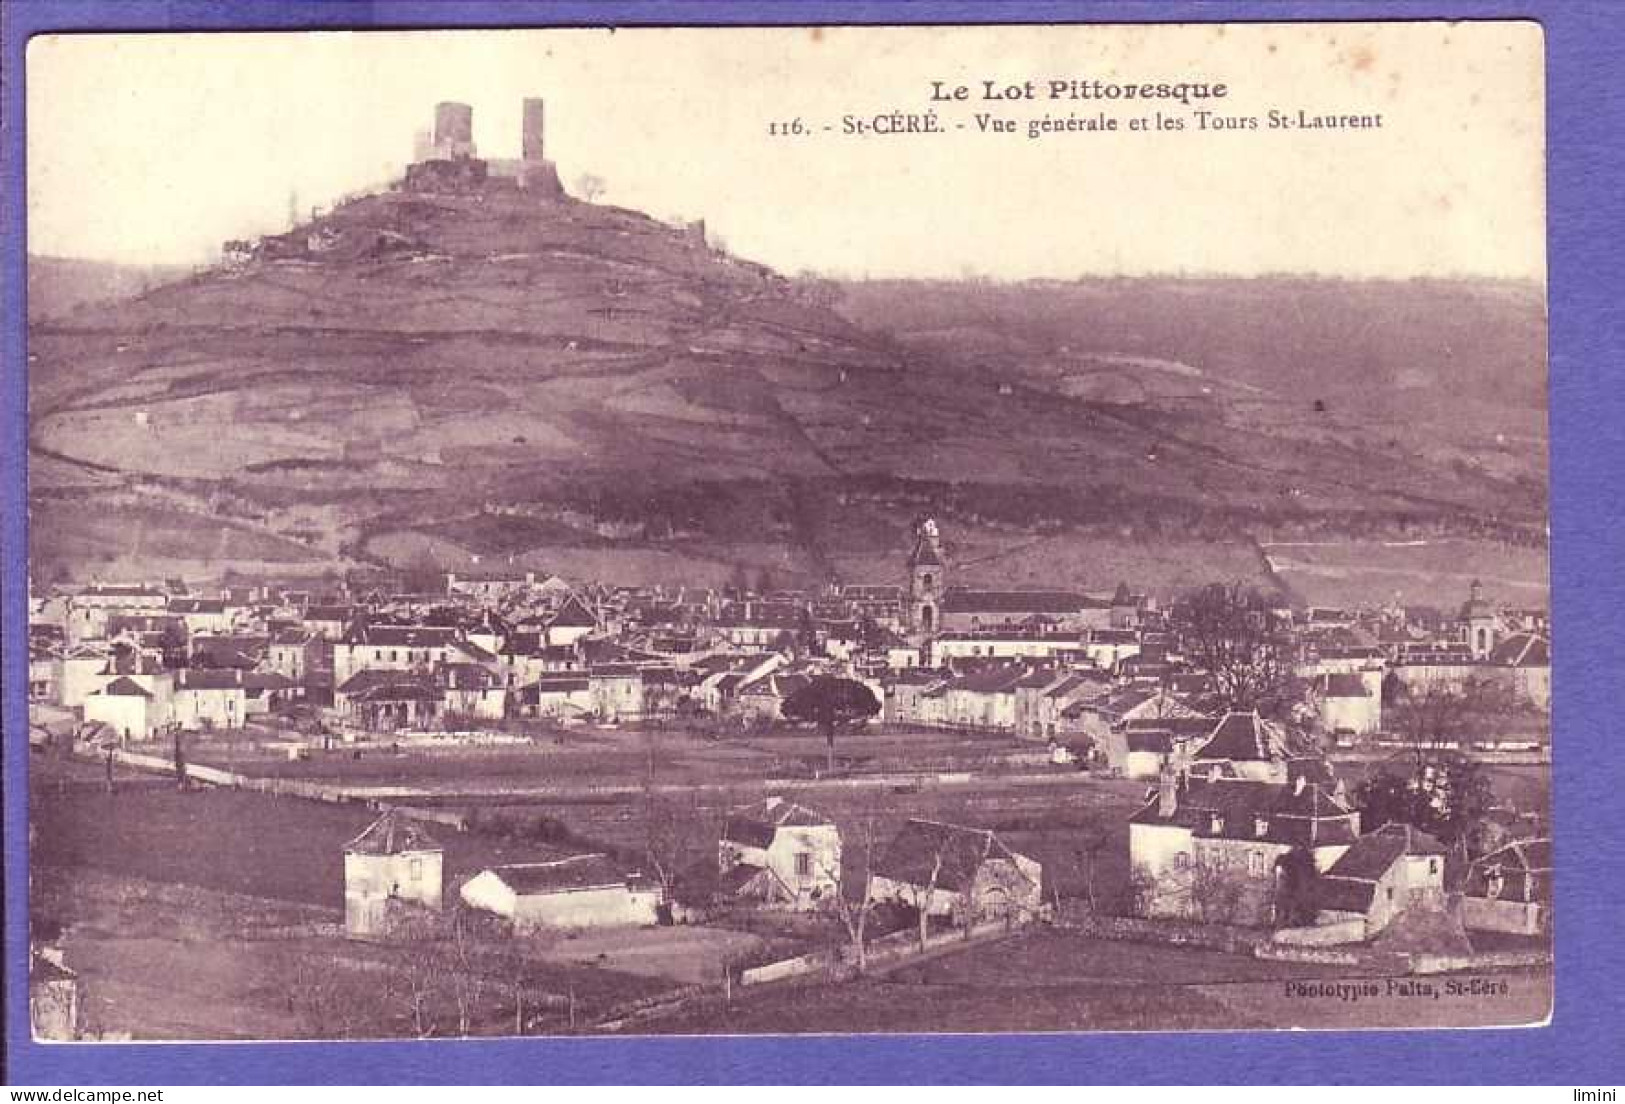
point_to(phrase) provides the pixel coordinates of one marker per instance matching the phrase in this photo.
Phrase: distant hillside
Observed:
(59, 285)
(490, 373)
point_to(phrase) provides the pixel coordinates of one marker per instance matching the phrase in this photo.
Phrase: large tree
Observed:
(1445, 794)
(833, 704)
(1234, 633)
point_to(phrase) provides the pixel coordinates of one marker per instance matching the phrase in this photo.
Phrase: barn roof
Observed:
(913, 854)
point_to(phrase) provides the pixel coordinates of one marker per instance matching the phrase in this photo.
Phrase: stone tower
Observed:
(926, 582)
(532, 130)
(453, 131)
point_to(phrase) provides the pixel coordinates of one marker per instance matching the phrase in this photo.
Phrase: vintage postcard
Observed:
(794, 530)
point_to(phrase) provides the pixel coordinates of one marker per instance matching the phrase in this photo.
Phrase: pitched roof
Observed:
(755, 825)
(965, 600)
(573, 615)
(1370, 856)
(122, 687)
(563, 875)
(1523, 650)
(1231, 808)
(1240, 737)
(1342, 685)
(392, 834)
(913, 854)
(401, 636)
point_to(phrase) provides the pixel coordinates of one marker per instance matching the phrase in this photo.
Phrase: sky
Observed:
(156, 148)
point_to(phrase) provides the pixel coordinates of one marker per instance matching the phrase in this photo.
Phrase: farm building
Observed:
(394, 860)
(1510, 889)
(582, 891)
(966, 874)
(1385, 872)
(781, 853)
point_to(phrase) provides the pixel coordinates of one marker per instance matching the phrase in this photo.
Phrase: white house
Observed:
(582, 891)
(393, 860)
(127, 708)
(1347, 703)
(1385, 872)
(796, 851)
(1233, 830)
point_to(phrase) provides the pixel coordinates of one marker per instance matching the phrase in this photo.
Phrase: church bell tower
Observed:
(925, 579)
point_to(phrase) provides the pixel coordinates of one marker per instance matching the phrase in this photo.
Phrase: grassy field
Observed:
(236, 841)
(1431, 572)
(1054, 980)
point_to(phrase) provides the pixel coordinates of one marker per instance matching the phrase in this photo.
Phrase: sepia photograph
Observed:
(787, 530)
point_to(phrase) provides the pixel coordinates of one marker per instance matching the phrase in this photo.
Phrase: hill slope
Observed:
(491, 373)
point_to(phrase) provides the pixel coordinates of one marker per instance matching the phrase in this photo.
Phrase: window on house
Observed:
(414, 871)
(1390, 893)
(1433, 866)
(803, 864)
(1255, 862)
(1181, 860)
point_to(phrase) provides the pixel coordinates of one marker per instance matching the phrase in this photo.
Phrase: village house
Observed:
(965, 874)
(209, 698)
(1106, 648)
(394, 861)
(88, 608)
(1384, 873)
(761, 701)
(900, 702)
(1524, 662)
(1510, 889)
(53, 997)
(330, 622)
(582, 891)
(617, 692)
(1208, 847)
(1244, 745)
(129, 709)
(558, 697)
(391, 648)
(570, 623)
(776, 852)
(203, 615)
(81, 672)
(384, 701)
(967, 610)
(469, 690)
(1011, 644)
(1345, 703)
(1143, 748)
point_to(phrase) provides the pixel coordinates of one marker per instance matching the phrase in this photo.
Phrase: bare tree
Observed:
(1217, 893)
(671, 835)
(854, 912)
(1092, 845)
(1234, 634)
(925, 898)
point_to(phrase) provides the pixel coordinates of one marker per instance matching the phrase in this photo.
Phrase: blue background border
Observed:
(1586, 132)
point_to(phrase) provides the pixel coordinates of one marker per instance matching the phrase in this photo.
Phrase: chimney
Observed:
(1297, 786)
(1167, 795)
(238, 671)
